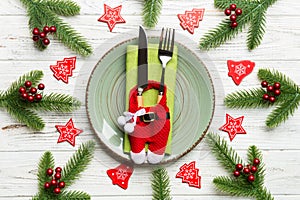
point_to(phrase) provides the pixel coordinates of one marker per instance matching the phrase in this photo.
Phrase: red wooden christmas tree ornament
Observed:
(64, 69)
(120, 175)
(189, 174)
(190, 20)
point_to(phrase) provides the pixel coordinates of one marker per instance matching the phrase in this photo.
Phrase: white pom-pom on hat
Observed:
(121, 120)
(129, 127)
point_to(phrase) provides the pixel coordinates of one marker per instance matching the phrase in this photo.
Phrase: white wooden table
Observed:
(21, 148)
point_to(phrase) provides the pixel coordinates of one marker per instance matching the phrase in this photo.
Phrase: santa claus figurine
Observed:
(147, 125)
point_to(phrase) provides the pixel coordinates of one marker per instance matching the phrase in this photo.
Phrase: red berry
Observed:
(277, 86)
(30, 98)
(233, 17)
(49, 172)
(24, 95)
(233, 7)
(270, 88)
(272, 99)
(57, 176)
(61, 184)
(253, 169)
(56, 190)
(239, 167)
(234, 24)
(236, 173)
(38, 97)
(238, 11)
(35, 31)
(46, 29)
(53, 182)
(35, 38)
(33, 90)
(43, 34)
(251, 178)
(41, 86)
(52, 29)
(47, 185)
(46, 41)
(277, 92)
(256, 161)
(22, 90)
(266, 97)
(246, 170)
(227, 12)
(264, 84)
(58, 169)
(28, 84)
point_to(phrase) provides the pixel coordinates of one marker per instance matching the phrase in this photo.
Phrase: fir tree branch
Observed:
(254, 152)
(34, 76)
(46, 161)
(151, 12)
(160, 185)
(78, 163)
(40, 15)
(263, 194)
(233, 187)
(257, 29)
(227, 156)
(282, 112)
(272, 76)
(78, 195)
(28, 117)
(62, 7)
(253, 12)
(246, 99)
(56, 102)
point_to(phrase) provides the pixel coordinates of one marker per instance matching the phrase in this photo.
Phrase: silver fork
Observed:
(165, 53)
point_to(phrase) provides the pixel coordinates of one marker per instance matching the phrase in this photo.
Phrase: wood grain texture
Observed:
(21, 148)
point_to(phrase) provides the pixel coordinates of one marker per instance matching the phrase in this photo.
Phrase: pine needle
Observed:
(151, 12)
(78, 163)
(46, 161)
(160, 185)
(78, 195)
(62, 7)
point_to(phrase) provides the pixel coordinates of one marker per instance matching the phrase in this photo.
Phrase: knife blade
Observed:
(142, 61)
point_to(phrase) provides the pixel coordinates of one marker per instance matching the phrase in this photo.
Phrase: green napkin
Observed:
(154, 73)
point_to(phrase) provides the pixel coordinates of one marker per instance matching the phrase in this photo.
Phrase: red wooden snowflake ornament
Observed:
(68, 132)
(238, 70)
(64, 69)
(189, 174)
(120, 175)
(233, 126)
(111, 16)
(190, 20)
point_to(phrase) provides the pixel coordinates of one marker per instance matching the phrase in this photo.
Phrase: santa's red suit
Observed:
(151, 128)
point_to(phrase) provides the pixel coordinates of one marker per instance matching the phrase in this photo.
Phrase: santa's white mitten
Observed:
(129, 128)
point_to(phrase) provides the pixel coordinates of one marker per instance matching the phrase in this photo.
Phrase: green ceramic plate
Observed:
(194, 99)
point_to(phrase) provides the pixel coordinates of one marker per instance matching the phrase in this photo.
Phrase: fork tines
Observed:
(166, 41)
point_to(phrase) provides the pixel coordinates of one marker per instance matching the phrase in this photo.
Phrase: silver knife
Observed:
(142, 64)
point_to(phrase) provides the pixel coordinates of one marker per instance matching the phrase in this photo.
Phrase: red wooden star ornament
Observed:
(111, 16)
(64, 69)
(190, 20)
(68, 132)
(238, 70)
(120, 175)
(233, 126)
(189, 174)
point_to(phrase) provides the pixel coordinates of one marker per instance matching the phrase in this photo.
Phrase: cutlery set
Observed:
(148, 127)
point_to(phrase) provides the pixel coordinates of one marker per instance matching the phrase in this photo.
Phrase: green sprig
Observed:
(24, 111)
(78, 165)
(286, 104)
(45, 12)
(238, 186)
(151, 12)
(254, 13)
(160, 184)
